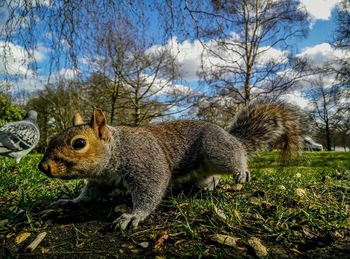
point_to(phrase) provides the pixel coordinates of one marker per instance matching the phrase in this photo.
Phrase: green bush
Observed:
(8, 111)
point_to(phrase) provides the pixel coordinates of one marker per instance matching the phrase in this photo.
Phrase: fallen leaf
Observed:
(153, 236)
(121, 209)
(144, 244)
(183, 205)
(219, 213)
(33, 245)
(254, 201)
(237, 187)
(281, 188)
(160, 243)
(225, 240)
(9, 235)
(135, 251)
(237, 214)
(179, 242)
(284, 226)
(3, 222)
(21, 237)
(206, 252)
(307, 232)
(300, 192)
(259, 248)
(347, 208)
(296, 251)
(128, 246)
(258, 216)
(45, 250)
(297, 175)
(337, 235)
(226, 187)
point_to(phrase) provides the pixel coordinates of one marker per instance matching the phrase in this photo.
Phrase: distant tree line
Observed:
(120, 66)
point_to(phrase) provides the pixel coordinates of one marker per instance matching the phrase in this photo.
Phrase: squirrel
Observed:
(147, 160)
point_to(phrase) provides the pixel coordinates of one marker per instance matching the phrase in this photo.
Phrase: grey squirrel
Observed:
(149, 159)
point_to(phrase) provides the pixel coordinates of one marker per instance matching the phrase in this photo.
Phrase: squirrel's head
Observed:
(80, 151)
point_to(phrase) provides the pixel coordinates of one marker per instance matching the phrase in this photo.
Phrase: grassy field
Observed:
(301, 210)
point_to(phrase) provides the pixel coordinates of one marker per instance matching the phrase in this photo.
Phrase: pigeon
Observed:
(18, 138)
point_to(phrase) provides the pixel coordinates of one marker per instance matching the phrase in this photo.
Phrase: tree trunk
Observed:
(328, 137)
(114, 100)
(137, 115)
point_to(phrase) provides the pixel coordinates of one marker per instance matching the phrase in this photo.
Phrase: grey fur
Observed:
(147, 160)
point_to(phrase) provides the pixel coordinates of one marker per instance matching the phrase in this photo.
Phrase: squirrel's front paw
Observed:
(133, 219)
(242, 177)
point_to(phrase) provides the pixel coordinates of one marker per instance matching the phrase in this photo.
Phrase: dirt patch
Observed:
(87, 232)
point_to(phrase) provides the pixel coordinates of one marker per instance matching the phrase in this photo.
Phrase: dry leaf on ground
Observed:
(21, 237)
(219, 213)
(237, 214)
(160, 243)
(259, 248)
(254, 201)
(297, 175)
(300, 192)
(36, 242)
(225, 240)
(144, 244)
(281, 187)
(237, 187)
(121, 209)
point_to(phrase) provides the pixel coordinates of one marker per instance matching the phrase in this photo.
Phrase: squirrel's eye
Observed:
(79, 143)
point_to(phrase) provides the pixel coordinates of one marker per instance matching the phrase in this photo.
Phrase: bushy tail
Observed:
(268, 125)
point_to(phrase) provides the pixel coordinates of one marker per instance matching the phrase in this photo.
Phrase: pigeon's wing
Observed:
(11, 143)
(18, 136)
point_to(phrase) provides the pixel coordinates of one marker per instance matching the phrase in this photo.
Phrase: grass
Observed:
(299, 210)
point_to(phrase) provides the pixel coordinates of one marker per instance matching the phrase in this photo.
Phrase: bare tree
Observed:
(133, 76)
(66, 28)
(246, 43)
(325, 109)
(342, 40)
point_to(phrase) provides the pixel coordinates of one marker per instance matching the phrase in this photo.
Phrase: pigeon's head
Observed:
(31, 116)
(81, 151)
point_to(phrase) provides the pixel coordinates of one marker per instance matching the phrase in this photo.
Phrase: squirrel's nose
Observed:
(46, 167)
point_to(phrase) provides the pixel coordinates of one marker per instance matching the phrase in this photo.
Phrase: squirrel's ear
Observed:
(77, 119)
(99, 125)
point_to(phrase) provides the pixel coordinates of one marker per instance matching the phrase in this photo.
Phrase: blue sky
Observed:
(316, 47)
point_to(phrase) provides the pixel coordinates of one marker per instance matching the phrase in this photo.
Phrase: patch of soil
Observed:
(87, 232)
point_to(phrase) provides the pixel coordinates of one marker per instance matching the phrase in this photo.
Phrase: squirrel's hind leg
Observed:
(222, 153)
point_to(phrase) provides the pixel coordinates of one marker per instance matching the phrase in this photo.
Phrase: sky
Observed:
(316, 46)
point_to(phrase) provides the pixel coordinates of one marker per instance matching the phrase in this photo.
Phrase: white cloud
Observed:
(192, 56)
(320, 9)
(188, 56)
(31, 83)
(16, 60)
(269, 54)
(162, 87)
(67, 73)
(322, 53)
(297, 99)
